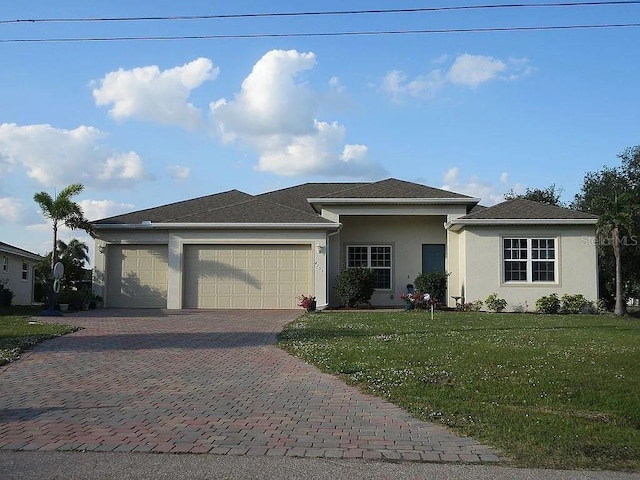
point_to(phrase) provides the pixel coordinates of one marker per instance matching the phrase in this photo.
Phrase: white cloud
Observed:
(336, 85)
(54, 156)
(179, 173)
(154, 95)
(466, 70)
(472, 70)
(97, 209)
(275, 113)
(489, 193)
(12, 210)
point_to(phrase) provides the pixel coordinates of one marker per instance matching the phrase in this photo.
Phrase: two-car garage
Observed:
(268, 276)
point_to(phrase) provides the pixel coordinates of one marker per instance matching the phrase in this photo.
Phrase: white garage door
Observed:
(246, 276)
(137, 276)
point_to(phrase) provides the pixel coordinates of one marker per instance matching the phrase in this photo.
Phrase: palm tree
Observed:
(616, 219)
(62, 211)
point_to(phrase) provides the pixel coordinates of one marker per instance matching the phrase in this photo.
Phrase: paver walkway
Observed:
(201, 382)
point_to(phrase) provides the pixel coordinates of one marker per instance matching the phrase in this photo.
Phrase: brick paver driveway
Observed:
(201, 382)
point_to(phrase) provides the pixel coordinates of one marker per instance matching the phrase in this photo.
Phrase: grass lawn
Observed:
(550, 391)
(18, 331)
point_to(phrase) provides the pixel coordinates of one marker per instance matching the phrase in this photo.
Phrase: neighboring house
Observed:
(235, 250)
(17, 272)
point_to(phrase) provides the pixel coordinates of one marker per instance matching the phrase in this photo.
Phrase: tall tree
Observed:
(613, 195)
(62, 210)
(550, 195)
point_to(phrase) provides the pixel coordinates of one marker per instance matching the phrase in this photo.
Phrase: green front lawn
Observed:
(549, 391)
(19, 331)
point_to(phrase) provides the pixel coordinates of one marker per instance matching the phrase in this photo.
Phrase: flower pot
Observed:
(64, 307)
(311, 307)
(408, 305)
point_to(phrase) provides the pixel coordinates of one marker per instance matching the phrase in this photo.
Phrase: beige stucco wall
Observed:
(405, 234)
(480, 263)
(177, 239)
(12, 278)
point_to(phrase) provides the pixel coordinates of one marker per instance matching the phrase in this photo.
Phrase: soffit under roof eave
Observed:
(218, 226)
(458, 224)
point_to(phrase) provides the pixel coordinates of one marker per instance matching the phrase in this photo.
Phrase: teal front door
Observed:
(432, 257)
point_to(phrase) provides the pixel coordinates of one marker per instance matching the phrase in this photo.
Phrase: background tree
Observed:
(613, 194)
(550, 195)
(74, 256)
(62, 210)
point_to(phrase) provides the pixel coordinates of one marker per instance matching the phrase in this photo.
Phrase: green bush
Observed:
(433, 283)
(575, 303)
(494, 303)
(6, 297)
(472, 306)
(548, 304)
(355, 286)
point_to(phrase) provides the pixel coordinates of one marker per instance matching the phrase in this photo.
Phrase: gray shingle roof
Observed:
(394, 188)
(5, 247)
(255, 210)
(176, 212)
(520, 208)
(296, 197)
(286, 206)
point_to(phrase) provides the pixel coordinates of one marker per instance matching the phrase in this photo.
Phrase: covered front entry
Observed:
(246, 276)
(137, 276)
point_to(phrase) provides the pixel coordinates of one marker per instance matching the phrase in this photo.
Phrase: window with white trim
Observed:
(375, 257)
(5, 264)
(529, 259)
(25, 271)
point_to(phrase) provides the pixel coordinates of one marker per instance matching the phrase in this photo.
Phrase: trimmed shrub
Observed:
(433, 283)
(575, 303)
(6, 297)
(472, 306)
(494, 303)
(355, 286)
(549, 304)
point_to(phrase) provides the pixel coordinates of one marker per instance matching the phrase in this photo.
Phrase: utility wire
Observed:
(321, 13)
(324, 34)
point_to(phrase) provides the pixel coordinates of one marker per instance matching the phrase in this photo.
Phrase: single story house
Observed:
(17, 272)
(235, 250)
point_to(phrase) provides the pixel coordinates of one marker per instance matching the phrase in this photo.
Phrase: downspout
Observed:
(326, 288)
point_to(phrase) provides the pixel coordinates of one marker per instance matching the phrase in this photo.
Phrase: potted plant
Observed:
(307, 302)
(64, 299)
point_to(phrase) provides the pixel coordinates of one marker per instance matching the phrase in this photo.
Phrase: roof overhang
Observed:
(217, 226)
(19, 252)
(459, 223)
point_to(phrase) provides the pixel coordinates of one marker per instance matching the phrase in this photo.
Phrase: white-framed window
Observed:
(375, 257)
(529, 260)
(25, 271)
(5, 264)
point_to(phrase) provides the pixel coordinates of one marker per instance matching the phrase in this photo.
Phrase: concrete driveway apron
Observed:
(201, 382)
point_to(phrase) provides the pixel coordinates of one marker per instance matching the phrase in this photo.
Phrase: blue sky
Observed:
(144, 123)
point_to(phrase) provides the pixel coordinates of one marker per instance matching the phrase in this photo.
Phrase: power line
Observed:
(323, 13)
(324, 34)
